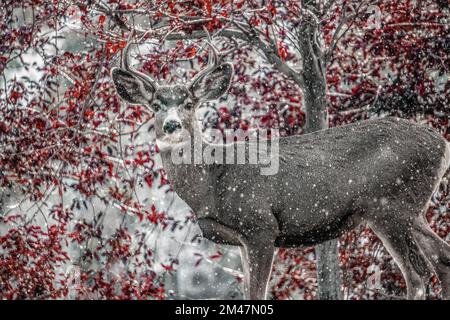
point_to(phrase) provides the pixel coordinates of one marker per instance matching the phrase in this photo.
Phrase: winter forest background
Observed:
(85, 208)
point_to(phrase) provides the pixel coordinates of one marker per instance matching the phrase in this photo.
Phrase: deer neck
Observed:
(193, 180)
(191, 149)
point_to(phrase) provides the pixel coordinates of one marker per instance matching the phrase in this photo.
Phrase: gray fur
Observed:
(171, 96)
(380, 172)
(215, 84)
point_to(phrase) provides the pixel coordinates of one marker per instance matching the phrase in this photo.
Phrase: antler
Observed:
(213, 60)
(125, 56)
(127, 66)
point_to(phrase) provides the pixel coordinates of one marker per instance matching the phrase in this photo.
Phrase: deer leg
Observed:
(257, 258)
(403, 247)
(443, 273)
(246, 272)
(438, 252)
(257, 248)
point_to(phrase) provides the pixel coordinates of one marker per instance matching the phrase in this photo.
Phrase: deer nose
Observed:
(171, 126)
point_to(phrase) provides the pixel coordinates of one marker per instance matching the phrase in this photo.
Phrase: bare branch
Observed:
(337, 35)
(271, 56)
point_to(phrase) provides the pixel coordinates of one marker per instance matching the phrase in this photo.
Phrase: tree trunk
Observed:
(314, 99)
(328, 271)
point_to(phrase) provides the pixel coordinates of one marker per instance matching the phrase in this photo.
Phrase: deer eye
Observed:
(156, 107)
(189, 106)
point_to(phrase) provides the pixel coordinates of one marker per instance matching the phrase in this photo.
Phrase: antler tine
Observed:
(125, 57)
(127, 66)
(215, 54)
(213, 60)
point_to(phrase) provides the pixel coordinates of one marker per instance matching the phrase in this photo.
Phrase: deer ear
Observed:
(132, 88)
(214, 84)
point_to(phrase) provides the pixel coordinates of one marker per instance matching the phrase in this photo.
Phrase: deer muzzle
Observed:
(171, 126)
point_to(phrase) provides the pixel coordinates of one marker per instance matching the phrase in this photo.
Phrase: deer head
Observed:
(174, 105)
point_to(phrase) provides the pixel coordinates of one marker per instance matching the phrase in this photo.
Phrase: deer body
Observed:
(322, 189)
(382, 172)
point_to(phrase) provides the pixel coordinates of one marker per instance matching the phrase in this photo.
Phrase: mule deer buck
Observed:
(380, 172)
